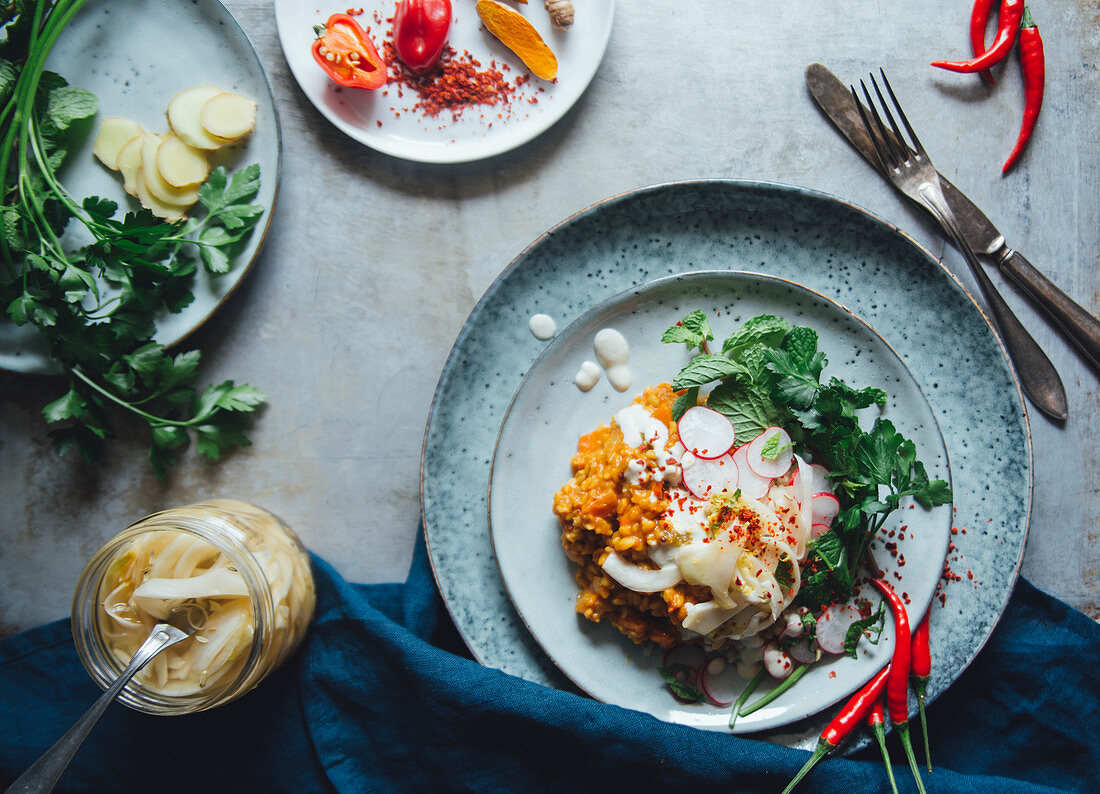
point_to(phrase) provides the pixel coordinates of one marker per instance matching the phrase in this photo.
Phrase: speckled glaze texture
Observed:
(829, 246)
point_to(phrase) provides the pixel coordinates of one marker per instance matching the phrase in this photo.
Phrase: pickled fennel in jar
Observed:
(230, 574)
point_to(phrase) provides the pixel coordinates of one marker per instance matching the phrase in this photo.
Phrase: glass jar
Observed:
(229, 573)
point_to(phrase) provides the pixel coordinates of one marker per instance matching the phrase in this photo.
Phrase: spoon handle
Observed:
(44, 773)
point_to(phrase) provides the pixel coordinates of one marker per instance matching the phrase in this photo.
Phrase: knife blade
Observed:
(1075, 323)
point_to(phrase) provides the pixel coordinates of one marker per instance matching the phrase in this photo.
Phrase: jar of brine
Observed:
(230, 574)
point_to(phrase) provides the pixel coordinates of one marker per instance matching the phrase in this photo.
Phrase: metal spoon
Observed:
(44, 773)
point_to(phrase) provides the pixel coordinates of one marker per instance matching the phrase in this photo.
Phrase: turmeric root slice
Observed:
(519, 35)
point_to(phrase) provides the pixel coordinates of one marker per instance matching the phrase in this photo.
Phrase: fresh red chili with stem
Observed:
(420, 30)
(897, 687)
(348, 56)
(1008, 27)
(844, 723)
(921, 671)
(876, 719)
(1033, 66)
(979, 19)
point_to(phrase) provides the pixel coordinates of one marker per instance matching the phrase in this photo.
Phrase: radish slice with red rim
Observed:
(817, 530)
(704, 478)
(705, 433)
(826, 506)
(833, 625)
(769, 454)
(752, 485)
(804, 651)
(821, 482)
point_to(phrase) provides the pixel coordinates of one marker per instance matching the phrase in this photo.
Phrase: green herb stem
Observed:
(779, 689)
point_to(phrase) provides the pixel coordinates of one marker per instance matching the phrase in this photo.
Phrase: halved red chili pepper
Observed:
(1008, 27)
(348, 56)
(979, 17)
(844, 722)
(876, 719)
(420, 30)
(1033, 65)
(921, 671)
(897, 688)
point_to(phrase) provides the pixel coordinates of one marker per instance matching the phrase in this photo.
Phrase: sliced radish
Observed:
(805, 652)
(821, 482)
(777, 662)
(704, 478)
(770, 467)
(705, 433)
(832, 626)
(817, 530)
(752, 485)
(826, 506)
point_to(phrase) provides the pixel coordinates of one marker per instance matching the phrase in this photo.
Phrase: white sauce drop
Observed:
(587, 376)
(542, 326)
(613, 352)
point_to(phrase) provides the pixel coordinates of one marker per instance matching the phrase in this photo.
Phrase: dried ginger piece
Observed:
(520, 36)
(561, 13)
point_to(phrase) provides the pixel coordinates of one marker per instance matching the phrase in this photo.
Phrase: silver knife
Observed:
(1076, 324)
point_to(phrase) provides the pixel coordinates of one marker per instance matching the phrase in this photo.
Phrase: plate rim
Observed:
(659, 283)
(49, 368)
(733, 184)
(439, 157)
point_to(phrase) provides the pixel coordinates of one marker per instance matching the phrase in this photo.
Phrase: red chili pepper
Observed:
(875, 719)
(346, 53)
(921, 671)
(420, 30)
(1008, 27)
(979, 17)
(897, 688)
(1033, 65)
(844, 722)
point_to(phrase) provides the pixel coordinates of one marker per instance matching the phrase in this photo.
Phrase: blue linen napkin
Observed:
(381, 698)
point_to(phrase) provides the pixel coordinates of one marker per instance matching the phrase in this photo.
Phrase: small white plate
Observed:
(549, 413)
(386, 121)
(134, 55)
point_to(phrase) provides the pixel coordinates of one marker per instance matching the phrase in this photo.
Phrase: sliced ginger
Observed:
(228, 116)
(114, 133)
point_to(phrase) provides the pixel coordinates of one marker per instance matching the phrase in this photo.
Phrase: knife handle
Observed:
(1080, 327)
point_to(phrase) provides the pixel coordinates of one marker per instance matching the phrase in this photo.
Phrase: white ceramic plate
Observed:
(386, 121)
(134, 55)
(549, 413)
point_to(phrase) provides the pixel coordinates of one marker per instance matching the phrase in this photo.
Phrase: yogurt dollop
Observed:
(613, 351)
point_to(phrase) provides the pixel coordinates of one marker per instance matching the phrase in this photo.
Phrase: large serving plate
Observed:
(134, 55)
(841, 251)
(549, 413)
(386, 119)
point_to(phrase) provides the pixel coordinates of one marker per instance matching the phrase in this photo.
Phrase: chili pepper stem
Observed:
(783, 686)
(880, 736)
(920, 686)
(822, 749)
(903, 734)
(746, 694)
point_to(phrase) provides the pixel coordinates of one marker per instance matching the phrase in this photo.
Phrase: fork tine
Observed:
(901, 114)
(883, 156)
(897, 157)
(902, 142)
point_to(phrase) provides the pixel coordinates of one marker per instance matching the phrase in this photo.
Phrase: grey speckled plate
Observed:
(831, 247)
(539, 436)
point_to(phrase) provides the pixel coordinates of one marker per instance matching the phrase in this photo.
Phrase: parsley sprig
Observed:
(770, 373)
(96, 306)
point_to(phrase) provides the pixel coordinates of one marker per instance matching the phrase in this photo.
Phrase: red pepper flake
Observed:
(457, 84)
(832, 674)
(353, 12)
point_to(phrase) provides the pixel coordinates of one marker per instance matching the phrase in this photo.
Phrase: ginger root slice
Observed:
(561, 13)
(519, 35)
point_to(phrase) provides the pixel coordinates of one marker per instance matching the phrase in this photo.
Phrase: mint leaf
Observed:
(772, 448)
(694, 330)
(688, 399)
(748, 408)
(705, 369)
(764, 329)
(680, 679)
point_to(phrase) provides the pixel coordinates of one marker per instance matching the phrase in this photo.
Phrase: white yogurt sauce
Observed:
(613, 352)
(641, 429)
(587, 376)
(542, 326)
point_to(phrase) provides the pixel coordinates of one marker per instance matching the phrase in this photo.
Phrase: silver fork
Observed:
(908, 167)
